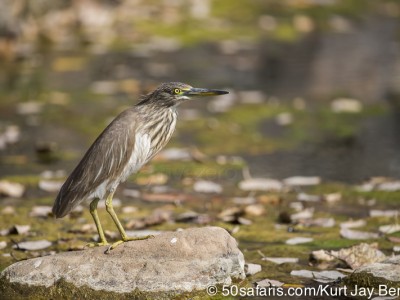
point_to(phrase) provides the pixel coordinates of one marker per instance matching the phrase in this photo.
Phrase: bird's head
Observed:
(173, 93)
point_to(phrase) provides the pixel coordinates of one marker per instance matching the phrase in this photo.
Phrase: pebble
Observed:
(308, 198)
(284, 119)
(8, 210)
(203, 186)
(357, 235)
(353, 223)
(40, 211)
(175, 154)
(131, 193)
(129, 209)
(332, 197)
(383, 213)
(302, 181)
(346, 105)
(3, 244)
(302, 215)
(29, 108)
(251, 269)
(389, 229)
(282, 260)
(11, 189)
(33, 245)
(299, 240)
(255, 209)
(260, 184)
(50, 185)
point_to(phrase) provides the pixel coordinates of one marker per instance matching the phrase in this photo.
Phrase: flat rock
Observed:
(173, 262)
(384, 272)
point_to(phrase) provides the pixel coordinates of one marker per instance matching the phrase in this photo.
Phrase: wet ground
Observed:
(223, 143)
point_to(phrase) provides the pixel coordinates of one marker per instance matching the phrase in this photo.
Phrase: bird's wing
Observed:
(104, 161)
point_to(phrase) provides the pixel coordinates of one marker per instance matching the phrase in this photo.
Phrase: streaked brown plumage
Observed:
(127, 143)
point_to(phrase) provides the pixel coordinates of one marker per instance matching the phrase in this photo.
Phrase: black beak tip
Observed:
(221, 92)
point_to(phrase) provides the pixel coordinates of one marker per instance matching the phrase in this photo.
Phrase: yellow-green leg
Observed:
(93, 212)
(124, 237)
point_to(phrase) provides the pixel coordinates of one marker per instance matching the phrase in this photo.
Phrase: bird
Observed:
(131, 140)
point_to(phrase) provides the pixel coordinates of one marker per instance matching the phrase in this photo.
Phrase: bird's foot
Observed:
(99, 244)
(127, 239)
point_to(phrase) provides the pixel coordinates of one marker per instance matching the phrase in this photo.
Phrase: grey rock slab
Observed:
(388, 269)
(180, 261)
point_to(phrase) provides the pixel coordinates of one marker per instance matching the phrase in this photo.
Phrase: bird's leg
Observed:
(93, 212)
(124, 237)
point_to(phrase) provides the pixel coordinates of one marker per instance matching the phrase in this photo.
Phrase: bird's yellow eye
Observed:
(177, 91)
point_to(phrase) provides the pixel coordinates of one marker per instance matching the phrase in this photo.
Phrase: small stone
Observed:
(302, 181)
(320, 222)
(308, 198)
(332, 197)
(129, 209)
(131, 193)
(269, 283)
(11, 189)
(322, 255)
(389, 229)
(174, 240)
(396, 248)
(299, 240)
(19, 229)
(383, 213)
(231, 214)
(359, 255)
(260, 184)
(33, 245)
(8, 210)
(251, 269)
(392, 186)
(172, 154)
(346, 105)
(154, 179)
(353, 223)
(297, 206)
(357, 235)
(3, 244)
(244, 200)
(284, 119)
(244, 221)
(50, 185)
(303, 215)
(282, 260)
(203, 186)
(255, 209)
(269, 199)
(40, 211)
(29, 108)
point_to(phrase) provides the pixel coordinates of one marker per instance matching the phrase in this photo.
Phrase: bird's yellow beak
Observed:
(204, 92)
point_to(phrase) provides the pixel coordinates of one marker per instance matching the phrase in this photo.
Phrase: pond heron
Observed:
(132, 139)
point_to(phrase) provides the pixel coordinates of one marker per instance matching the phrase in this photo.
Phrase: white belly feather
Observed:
(141, 154)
